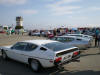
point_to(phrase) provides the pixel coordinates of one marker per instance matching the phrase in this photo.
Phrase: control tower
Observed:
(19, 21)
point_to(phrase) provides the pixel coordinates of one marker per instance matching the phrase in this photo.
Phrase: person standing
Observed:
(99, 42)
(58, 31)
(54, 32)
(96, 37)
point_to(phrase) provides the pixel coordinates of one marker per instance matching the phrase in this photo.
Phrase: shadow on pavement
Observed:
(11, 67)
(86, 72)
(89, 54)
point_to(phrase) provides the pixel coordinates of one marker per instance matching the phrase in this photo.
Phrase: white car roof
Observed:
(75, 34)
(39, 42)
(67, 36)
(75, 37)
(80, 34)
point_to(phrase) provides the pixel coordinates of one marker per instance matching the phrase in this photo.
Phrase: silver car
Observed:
(74, 41)
(84, 37)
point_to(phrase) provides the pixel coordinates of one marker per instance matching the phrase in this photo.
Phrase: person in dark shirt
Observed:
(99, 42)
(97, 37)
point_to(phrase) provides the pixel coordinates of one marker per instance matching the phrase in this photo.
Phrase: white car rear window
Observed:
(57, 46)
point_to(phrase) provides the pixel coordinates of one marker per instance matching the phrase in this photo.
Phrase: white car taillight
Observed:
(75, 53)
(58, 59)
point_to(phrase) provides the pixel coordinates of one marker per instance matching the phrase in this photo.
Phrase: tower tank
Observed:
(19, 21)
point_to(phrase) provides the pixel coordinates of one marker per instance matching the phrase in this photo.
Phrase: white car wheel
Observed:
(35, 65)
(4, 55)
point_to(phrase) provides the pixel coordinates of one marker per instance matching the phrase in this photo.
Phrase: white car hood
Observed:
(6, 46)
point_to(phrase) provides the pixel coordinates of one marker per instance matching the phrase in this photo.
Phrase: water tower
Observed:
(19, 21)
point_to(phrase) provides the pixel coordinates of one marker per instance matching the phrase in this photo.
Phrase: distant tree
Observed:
(5, 28)
(19, 27)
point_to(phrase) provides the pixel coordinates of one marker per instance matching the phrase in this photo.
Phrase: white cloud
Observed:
(66, 1)
(89, 10)
(48, 0)
(95, 8)
(64, 10)
(62, 1)
(78, 18)
(28, 12)
(12, 2)
(59, 7)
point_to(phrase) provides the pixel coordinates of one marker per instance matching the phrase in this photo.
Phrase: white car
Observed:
(34, 33)
(74, 41)
(37, 53)
(84, 37)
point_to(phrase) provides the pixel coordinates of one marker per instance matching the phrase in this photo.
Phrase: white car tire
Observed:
(4, 55)
(35, 65)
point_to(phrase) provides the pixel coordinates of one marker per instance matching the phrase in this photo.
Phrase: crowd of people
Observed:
(14, 31)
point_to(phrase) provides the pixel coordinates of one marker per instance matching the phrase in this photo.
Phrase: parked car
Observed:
(90, 33)
(85, 37)
(74, 41)
(34, 33)
(50, 36)
(37, 53)
(2, 32)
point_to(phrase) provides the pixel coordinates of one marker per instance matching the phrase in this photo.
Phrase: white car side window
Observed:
(43, 49)
(85, 36)
(69, 39)
(20, 46)
(59, 39)
(30, 47)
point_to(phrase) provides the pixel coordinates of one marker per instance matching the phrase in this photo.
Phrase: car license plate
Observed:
(67, 57)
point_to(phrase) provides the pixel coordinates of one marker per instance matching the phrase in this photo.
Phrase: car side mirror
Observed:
(42, 48)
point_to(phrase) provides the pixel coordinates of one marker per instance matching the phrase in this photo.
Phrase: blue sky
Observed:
(51, 13)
